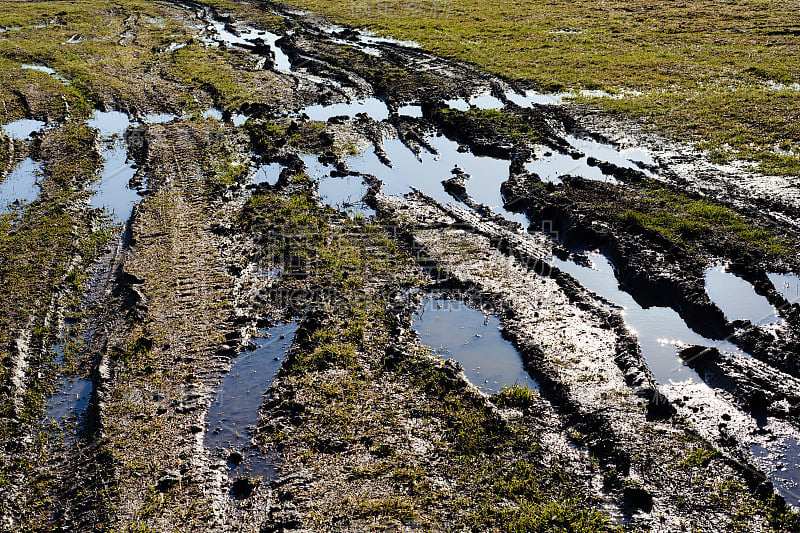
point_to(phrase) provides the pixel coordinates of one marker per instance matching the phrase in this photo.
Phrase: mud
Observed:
(324, 178)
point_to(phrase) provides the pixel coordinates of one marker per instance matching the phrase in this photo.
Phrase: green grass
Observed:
(692, 222)
(519, 396)
(491, 122)
(702, 67)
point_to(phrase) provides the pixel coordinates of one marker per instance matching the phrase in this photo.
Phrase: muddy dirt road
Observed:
(283, 275)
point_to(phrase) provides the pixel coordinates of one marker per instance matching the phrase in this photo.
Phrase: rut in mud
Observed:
(248, 321)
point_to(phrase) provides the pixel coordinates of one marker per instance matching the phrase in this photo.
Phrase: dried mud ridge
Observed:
(367, 427)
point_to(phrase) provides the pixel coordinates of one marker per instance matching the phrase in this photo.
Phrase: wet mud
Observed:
(349, 285)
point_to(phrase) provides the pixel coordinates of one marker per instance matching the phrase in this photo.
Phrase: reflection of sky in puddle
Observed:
(269, 173)
(71, 400)
(374, 107)
(737, 298)
(109, 122)
(240, 395)
(40, 68)
(22, 129)
(608, 153)
(788, 285)
(660, 330)
(532, 97)
(21, 183)
(551, 167)
(480, 101)
(410, 110)
(46, 70)
(249, 37)
(159, 118)
(781, 460)
(212, 113)
(428, 172)
(345, 194)
(457, 331)
(114, 193)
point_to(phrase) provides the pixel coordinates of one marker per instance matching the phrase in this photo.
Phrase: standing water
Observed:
(22, 129)
(21, 184)
(737, 298)
(660, 330)
(427, 172)
(235, 408)
(788, 285)
(456, 331)
(114, 193)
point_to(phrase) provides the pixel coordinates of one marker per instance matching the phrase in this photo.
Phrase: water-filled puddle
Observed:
(109, 122)
(458, 103)
(427, 173)
(457, 331)
(531, 98)
(486, 101)
(410, 110)
(737, 298)
(114, 193)
(374, 107)
(239, 120)
(21, 184)
(68, 404)
(40, 68)
(344, 194)
(781, 460)
(479, 101)
(236, 406)
(46, 70)
(660, 330)
(71, 400)
(788, 285)
(551, 166)
(362, 39)
(159, 118)
(22, 129)
(269, 173)
(370, 38)
(219, 34)
(609, 154)
(212, 113)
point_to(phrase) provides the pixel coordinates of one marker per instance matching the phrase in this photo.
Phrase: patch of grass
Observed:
(699, 455)
(691, 222)
(519, 396)
(307, 136)
(217, 71)
(401, 507)
(490, 122)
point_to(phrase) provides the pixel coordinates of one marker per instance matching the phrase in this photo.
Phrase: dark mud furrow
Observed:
(181, 287)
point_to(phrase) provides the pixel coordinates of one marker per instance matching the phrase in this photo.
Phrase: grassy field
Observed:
(719, 74)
